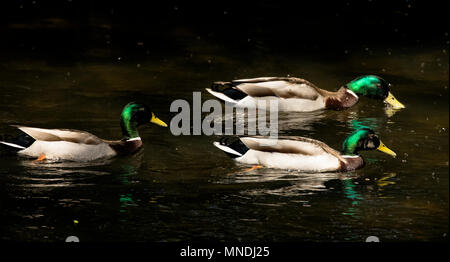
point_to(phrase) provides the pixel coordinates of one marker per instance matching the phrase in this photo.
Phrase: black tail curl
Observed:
(227, 88)
(22, 140)
(220, 86)
(234, 143)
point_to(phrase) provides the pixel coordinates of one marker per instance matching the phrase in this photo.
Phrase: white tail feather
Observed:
(221, 96)
(12, 145)
(226, 149)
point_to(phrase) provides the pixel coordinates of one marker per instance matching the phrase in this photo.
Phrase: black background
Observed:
(70, 27)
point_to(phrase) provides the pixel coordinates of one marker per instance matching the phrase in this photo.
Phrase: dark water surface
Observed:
(183, 188)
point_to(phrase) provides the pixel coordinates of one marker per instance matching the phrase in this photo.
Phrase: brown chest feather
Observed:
(352, 163)
(340, 100)
(125, 147)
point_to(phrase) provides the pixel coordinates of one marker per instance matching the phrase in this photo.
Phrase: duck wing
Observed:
(291, 145)
(283, 87)
(68, 135)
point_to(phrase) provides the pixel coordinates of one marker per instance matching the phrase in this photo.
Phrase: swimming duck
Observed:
(296, 94)
(74, 145)
(302, 153)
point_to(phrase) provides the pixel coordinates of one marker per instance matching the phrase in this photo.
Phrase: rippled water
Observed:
(183, 188)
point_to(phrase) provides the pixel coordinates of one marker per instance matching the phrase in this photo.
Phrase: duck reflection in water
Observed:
(301, 186)
(46, 175)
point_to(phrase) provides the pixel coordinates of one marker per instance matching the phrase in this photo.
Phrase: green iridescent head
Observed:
(370, 86)
(134, 115)
(364, 139)
(374, 87)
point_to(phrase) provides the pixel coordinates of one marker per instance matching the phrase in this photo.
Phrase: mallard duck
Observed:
(302, 153)
(74, 145)
(296, 94)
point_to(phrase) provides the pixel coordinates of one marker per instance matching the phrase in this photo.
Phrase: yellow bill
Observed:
(391, 100)
(157, 121)
(386, 150)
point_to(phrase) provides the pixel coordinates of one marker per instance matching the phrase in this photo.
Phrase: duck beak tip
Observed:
(393, 102)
